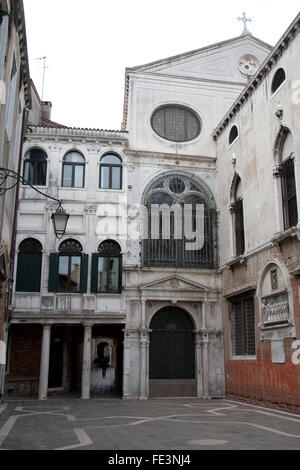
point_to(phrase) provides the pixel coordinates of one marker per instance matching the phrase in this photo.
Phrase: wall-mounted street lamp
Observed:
(59, 217)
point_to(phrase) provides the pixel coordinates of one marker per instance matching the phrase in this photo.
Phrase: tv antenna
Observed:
(44, 59)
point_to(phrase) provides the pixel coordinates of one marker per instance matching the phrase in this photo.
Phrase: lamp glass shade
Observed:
(60, 219)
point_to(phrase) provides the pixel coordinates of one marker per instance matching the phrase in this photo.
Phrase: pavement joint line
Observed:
(171, 418)
(82, 436)
(269, 410)
(113, 417)
(3, 408)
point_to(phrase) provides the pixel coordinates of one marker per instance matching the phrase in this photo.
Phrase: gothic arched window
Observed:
(237, 210)
(107, 268)
(73, 170)
(29, 266)
(288, 181)
(233, 134)
(111, 172)
(278, 79)
(35, 167)
(180, 227)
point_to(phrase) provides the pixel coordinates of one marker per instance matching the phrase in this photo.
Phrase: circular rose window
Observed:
(176, 123)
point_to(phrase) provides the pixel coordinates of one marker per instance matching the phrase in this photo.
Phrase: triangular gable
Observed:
(188, 60)
(175, 283)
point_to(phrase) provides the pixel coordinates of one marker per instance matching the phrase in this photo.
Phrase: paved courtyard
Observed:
(158, 424)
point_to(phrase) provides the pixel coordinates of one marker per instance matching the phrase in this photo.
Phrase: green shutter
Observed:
(94, 273)
(29, 272)
(84, 273)
(53, 272)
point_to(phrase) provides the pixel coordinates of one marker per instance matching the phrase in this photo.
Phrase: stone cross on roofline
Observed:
(245, 20)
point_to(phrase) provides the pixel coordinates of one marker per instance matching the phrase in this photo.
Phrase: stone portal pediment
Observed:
(175, 283)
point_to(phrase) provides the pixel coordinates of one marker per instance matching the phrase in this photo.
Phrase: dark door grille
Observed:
(172, 345)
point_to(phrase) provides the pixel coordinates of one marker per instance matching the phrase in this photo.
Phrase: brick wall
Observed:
(261, 379)
(24, 360)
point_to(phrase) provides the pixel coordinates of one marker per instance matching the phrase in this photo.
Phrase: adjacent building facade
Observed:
(15, 101)
(258, 164)
(163, 270)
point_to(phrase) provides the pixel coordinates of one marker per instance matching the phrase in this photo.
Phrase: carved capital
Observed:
(277, 171)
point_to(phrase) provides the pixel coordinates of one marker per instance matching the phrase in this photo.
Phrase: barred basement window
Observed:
(29, 266)
(176, 123)
(243, 326)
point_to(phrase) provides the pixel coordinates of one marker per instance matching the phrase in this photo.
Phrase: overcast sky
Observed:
(88, 45)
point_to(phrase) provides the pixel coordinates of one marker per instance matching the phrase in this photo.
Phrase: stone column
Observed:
(144, 370)
(126, 364)
(143, 313)
(199, 363)
(86, 363)
(205, 366)
(44, 366)
(203, 313)
(278, 197)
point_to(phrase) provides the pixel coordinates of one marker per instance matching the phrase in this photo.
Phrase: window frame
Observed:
(239, 227)
(246, 353)
(69, 254)
(187, 109)
(73, 165)
(230, 142)
(289, 193)
(275, 77)
(112, 253)
(35, 165)
(110, 166)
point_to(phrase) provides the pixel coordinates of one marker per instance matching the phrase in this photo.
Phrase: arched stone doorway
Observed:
(172, 354)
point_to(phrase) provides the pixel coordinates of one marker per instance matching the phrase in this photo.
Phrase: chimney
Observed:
(46, 109)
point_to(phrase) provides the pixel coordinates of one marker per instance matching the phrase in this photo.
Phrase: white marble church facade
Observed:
(116, 174)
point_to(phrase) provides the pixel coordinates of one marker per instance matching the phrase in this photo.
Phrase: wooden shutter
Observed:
(53, 272)
(84, 273)
(29, 272)
(94, 273)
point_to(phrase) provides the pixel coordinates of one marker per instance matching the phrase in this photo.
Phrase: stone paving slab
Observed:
(158, 425)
